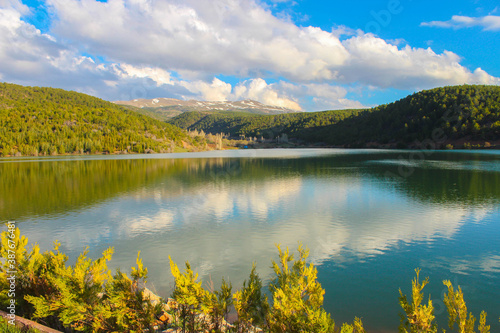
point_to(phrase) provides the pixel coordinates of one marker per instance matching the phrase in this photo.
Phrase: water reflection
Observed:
(222, 214)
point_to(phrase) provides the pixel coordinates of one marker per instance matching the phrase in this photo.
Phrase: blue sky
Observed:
(307, 55)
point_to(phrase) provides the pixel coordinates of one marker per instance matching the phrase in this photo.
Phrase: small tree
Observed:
(297, 296)
(457, 310)
(250, 303)
(74, 299)
(356, 327)
(218, 306)
(131, 309)
(189, 295)
(419, 318)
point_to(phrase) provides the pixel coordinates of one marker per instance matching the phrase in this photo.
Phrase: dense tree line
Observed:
(470, 112)
(47, 121)
(297, 125)
(452, 113)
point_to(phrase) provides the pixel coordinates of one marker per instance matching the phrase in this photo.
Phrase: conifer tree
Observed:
(82, 297)
(457, 310)
(250, 303)
(189, 295)
(218, 306)
(297, 296)
(419, 318)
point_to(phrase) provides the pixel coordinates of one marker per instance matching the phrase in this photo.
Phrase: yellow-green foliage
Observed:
(218, 306)
(83, 297)
(356, 327)
(250, 303)
(190, 296)
(131, 310)
(87, 297)
(28, 267)
(297, 296)
(74, 297)
(419, 318)
(457, 310)
(197, 308)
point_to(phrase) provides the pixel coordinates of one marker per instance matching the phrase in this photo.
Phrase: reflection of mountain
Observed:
(222, 214)
(49, 187)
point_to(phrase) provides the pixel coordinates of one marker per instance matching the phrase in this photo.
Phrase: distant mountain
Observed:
(46, 121)
(459, 116)
(165, 108)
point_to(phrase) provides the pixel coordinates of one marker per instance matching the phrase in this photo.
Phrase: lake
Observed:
(369, 218)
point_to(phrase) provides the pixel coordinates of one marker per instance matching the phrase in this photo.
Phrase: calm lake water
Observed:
(369, 218)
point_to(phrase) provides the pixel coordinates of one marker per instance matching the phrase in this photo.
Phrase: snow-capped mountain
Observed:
(193, 105)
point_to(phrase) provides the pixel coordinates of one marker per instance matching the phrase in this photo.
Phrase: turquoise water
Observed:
(369, 218)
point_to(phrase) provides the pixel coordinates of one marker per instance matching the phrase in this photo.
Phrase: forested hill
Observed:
(449, 115)
(47, 121)
(296, 125)
(454, 114)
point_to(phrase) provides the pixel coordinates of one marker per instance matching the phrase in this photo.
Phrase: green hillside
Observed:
(449, 114)
(47, 121)
(454, 114)
(298, 125)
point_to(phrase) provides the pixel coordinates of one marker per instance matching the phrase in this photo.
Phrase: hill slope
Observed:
(165, 108)
(296, 125)
(443, 115)
(50, 121)
(455, 114)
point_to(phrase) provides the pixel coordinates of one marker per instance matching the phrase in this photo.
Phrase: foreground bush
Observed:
(83, 297)
(87, 297)
(297, 301)
(420, 318)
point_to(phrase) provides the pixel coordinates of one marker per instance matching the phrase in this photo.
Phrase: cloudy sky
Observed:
(301, 54)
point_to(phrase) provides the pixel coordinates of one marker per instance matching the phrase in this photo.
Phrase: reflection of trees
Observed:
(447, 178)
(33, 188)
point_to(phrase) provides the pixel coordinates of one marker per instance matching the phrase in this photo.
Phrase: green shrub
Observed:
(457, 310)
(218, 306)
(250, 303)
(419, 318)
(297, 296)
(83, 297)
(190, 296)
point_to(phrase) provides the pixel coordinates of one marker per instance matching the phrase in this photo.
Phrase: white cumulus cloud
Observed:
(126, 49)
(217, 90)
(242, 38)
(489, 22)
(271, 94)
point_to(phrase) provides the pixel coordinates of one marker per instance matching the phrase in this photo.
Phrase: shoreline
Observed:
(263, 146)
